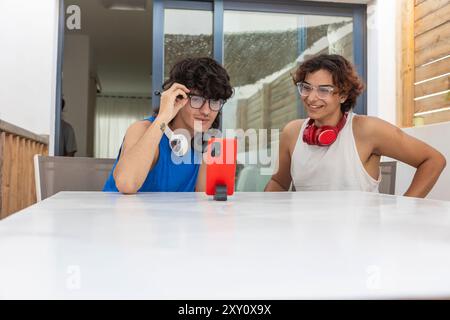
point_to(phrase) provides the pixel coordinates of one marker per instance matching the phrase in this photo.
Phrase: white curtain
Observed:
(113, 115)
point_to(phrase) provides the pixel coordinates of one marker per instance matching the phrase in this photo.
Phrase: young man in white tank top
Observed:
(335, 149)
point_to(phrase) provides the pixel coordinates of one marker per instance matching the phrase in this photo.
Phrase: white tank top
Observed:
(337, 167)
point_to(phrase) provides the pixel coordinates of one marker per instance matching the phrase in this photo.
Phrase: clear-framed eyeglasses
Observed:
(323, 92)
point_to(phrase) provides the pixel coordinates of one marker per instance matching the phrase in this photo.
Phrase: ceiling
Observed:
(121, 43)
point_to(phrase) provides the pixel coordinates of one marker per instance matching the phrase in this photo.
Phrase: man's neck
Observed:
(332, 120)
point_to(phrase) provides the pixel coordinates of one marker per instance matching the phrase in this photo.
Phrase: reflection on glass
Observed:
(187, 33)
(261, 51)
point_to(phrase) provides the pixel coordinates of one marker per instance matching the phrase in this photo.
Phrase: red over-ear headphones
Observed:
(322, 136)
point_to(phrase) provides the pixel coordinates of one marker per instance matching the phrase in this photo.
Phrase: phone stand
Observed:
(220, 193)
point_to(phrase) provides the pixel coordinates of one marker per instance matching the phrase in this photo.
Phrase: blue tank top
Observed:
(167, 175)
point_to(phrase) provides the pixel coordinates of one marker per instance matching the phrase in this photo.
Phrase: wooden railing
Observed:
(17, 148)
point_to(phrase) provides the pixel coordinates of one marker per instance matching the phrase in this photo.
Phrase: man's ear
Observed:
(343, 98)
(181, 102)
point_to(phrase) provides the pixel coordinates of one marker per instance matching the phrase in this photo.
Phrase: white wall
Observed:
(435, 135)
(382, 16)
(28, 43)
(76, 69)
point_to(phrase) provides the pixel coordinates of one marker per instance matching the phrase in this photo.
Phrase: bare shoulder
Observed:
(377, 133)
(292, 129)
(135, 132)
(139, 125)
(368, 125)
(363, 121)
(290, 134)
(137, 128)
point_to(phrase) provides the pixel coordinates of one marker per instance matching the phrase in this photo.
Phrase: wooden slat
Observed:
(287, 100)
(285, 76)
(16, 172)
(27, 173)
(252, 115)
(433, 103)
(280, 121)
(432, 20)
(253, 124)
(241, 113)
(31, 196)
(2, 178)
(14, 195)
(405, 57)
(433, 70)
(254, 108)
(284, 110)
(278, 95)
(256, 98)
(433, 37)
(433, 50)
(254, 102)
(10, 174)
(427, 7)
(417, 2)
(7, 163)
(21, 177)
(434, 86)
(38, 150)
(265, 100)
(436, 117)
(17, 189)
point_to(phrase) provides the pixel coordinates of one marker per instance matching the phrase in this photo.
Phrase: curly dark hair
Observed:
(204, 75)
(345, 77)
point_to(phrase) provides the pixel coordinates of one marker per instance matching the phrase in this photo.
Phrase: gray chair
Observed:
(250, 179)
(388, 172)
(54, 174)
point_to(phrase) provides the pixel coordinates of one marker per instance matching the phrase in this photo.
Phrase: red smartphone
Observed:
(220, 166)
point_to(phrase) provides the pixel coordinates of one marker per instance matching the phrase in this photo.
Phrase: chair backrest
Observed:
(388, 172)
(251, 179)
(54, 174)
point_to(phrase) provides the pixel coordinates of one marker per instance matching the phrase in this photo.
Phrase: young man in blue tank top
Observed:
(329, 86)
(193, 95)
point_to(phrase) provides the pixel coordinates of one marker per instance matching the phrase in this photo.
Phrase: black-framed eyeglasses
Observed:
(197, 102)
(323, 92)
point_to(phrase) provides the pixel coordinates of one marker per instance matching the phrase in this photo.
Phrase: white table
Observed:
(254, 246)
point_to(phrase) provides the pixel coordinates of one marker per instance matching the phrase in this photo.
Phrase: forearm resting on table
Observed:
(274, 186)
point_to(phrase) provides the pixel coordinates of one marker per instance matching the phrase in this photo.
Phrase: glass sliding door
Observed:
(187, 33)
(181, 29)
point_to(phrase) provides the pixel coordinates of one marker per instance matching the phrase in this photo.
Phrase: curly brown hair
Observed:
(345, 77)
(206, 76)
